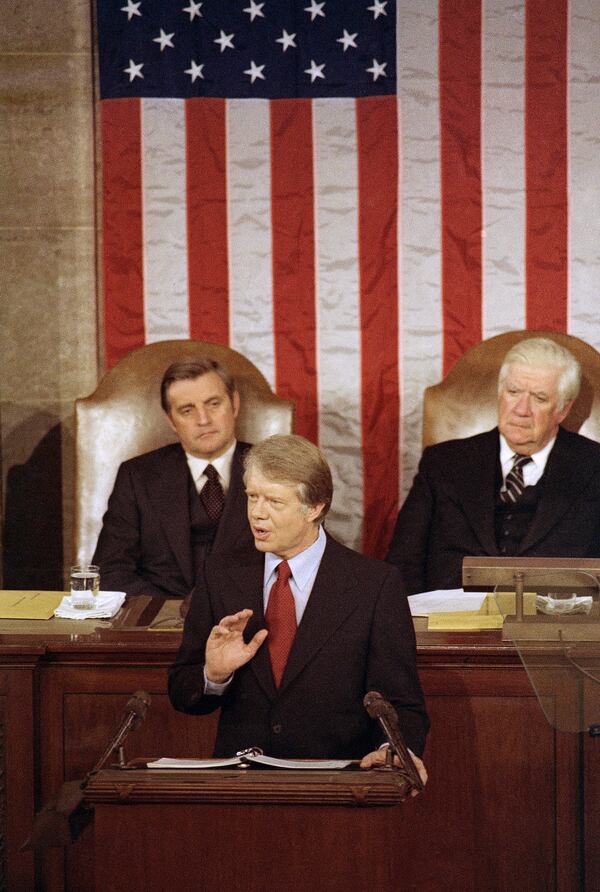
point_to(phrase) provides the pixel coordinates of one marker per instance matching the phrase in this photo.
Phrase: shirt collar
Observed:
(303, 565)
(539, 458)
(222, 465)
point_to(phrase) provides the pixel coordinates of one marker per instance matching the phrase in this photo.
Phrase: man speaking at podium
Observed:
(288, 637)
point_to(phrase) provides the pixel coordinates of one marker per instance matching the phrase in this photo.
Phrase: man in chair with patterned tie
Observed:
(289, 636)
(528, 487)
(172, 507)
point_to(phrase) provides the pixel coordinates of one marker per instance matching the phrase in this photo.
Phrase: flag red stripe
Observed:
(546, 134)
(293, 239)
(460, 138)
(207, 220)
(122, 228)
(377, 140)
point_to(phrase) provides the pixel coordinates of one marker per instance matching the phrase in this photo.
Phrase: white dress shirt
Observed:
(222, 466)
(533, 470)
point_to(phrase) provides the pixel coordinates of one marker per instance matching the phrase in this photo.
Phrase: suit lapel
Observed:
(475, 488)
(243, 587)
(233, 525)
(169, 492)
(334, 597)
(564, 478)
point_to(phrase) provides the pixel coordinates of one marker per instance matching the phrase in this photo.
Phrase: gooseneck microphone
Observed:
(133, 716)
(382, 710)
(63, 818)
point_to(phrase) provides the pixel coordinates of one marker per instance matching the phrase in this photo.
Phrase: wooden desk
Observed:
(247, 830)
(500, 811)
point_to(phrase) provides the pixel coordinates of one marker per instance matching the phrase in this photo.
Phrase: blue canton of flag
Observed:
(275, 49)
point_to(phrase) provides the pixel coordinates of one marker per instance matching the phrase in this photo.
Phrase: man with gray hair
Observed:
(527, 488)
(288, 637)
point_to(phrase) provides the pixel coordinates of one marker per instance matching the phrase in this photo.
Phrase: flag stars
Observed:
(164, 40)
(347, 40)
(225, 41)
(286, 40)
(254, 10)
(131, 9)
(315, 9)
(255, 71)
(134, 70)
(195, 71)
(378, 8)
(377, 69)
(193, 10)
(315, 71)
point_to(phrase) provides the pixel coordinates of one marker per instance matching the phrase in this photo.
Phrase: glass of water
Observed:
(85, 585)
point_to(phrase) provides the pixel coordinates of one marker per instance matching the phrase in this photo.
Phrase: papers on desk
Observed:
(28, 605)
(445, 601)
(106, 605)
(455, 610)
(247, 759)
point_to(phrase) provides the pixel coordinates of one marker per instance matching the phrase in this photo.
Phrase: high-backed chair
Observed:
(124, 418)
(464, 403)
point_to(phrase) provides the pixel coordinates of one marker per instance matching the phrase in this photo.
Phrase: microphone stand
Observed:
(381, 709)
(60, 821)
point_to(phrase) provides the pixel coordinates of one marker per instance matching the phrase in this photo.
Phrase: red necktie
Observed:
(281, 621)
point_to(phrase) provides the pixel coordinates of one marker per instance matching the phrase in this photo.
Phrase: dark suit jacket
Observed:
(449, 512)
(356, 635)
(144, 545)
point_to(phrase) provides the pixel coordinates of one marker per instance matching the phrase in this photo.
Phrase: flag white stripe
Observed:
(420, 221)
(249, 227)
(503, 171)
(584, 181)
(166, 308)
(338, 318)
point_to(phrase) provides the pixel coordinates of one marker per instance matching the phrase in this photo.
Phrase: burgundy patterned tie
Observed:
(211, 494)
(281, 621)
(514, 484)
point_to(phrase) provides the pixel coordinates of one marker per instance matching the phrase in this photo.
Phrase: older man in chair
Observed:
(527, 488)
(173, 506)
(289, 636)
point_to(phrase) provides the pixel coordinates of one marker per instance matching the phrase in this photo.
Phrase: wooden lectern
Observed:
(246, 829)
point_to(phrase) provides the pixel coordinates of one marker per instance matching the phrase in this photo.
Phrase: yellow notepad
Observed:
(463, 621)
(29, 604)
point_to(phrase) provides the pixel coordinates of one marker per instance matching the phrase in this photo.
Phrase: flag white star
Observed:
(134, 70)
(131, 9)
(164, 40)
(255, 71)
(193, 10)
(286, 40)
(377, 69)
(348, 40)
(195, 71)
(255, 9)
(225, 41)
(378, 8)
(315, 9)
(315, 71)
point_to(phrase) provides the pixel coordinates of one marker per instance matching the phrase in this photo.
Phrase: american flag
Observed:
(351, 193)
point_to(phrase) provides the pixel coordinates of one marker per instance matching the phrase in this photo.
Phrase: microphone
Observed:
(133, 716)
(381, 709)
(63, 818)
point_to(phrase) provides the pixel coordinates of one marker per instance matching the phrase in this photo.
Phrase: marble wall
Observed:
(48, 290)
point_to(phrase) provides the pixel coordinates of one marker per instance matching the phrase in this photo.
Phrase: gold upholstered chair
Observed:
(464, 403)
(123, 418)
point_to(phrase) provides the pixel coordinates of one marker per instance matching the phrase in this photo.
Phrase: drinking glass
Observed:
(85, 585)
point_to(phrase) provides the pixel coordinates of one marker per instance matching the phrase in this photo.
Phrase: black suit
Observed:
(449, 511)
(144, 546)
(356, 634)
